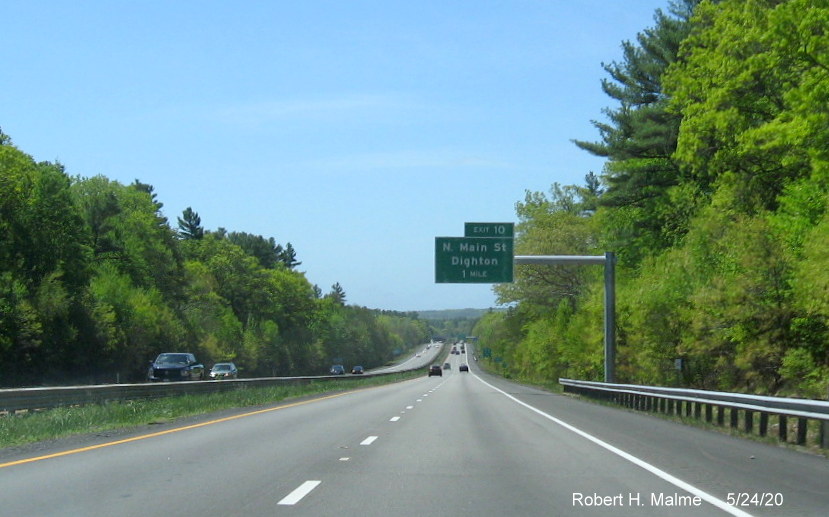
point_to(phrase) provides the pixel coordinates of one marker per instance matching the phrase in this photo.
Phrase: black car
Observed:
(177, 366)
(337, 369)
(357, 370)
(435, 370)
(463, 368)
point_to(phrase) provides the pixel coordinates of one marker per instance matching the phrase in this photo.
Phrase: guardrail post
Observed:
(801, 430)
(749, 421)
(824, 434)
(782, 428)
(764, 424)
(709, 413)
(735, 414)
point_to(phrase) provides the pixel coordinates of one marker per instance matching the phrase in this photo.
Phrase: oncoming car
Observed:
(357, 370)
(175, 367)
(224, 371)
(337, 369)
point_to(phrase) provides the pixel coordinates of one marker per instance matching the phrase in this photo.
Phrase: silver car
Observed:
(224, 371)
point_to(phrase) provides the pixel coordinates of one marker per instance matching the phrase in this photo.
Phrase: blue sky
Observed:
(356, 130)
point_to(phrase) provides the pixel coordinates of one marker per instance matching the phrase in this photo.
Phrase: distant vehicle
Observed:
(337, 369)
(463, 368)
(435, 370)
(357, 370)
(224, 371)
(447, 366)
(175, 367)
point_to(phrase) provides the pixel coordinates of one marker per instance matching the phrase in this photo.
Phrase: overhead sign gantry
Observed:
(485, 254)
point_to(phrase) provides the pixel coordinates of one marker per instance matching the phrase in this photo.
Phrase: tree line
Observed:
(95, 282)
(714, 197)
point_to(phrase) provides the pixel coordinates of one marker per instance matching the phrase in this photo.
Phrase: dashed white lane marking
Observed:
(419, 400)
(394, 419)
(297, 495)
(344, 459)
(409, 407)
(369, 440)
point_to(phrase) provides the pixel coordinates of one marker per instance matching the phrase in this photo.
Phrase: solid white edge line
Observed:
(705, 496)
(369, 440)
(297, 495)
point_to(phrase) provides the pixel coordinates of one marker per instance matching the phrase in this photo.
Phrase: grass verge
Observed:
(26, 428)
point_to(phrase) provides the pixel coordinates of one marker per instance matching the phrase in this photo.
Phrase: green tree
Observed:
(44, 266)
(550, 225)
(288, 256)
(266, 251)
(751, 89)
(337, 294)
(189, 225)
(639, 140)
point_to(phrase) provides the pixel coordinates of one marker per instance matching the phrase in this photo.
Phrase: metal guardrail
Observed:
(19, 399)
(691, 403)
(12, 400)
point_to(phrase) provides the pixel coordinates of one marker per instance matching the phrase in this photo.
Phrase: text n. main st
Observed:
(473, 259)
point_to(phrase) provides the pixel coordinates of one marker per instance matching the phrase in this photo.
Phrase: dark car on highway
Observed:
(337, 369)
(358, 370)
(177, 366)
(463, 368)
(435, 370)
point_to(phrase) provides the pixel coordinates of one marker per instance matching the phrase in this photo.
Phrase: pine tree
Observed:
(190, 225)
(641, 135)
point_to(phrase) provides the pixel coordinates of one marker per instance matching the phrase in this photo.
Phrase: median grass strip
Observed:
(25, 428)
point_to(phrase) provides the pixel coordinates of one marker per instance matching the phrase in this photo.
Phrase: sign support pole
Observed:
(610, 317)
(609, 261)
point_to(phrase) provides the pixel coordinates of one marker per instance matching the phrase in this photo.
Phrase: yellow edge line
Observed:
(170, 431)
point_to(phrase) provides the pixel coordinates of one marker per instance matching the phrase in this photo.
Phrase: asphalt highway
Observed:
(460, 444)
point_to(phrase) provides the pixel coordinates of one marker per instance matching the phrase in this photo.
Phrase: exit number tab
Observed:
(499, 230)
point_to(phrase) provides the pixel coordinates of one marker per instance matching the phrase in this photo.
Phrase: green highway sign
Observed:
(473, 260)
(489, 230)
